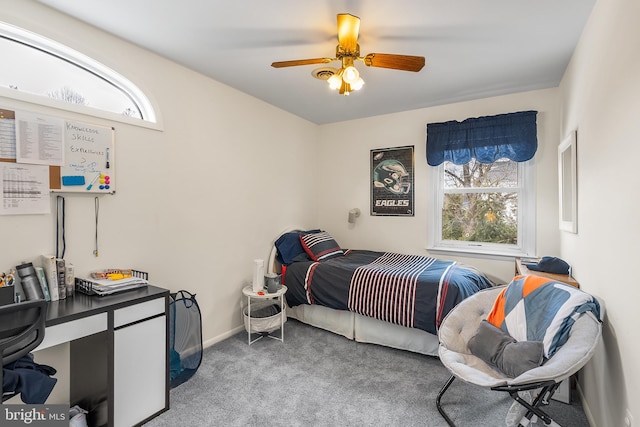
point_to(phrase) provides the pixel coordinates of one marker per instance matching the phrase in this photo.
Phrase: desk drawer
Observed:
(73, 330)
(138, 312)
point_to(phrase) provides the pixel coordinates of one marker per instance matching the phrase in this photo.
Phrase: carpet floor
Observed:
(317, 378)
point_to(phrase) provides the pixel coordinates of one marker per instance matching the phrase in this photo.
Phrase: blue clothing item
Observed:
(32, 380)
(551, 264)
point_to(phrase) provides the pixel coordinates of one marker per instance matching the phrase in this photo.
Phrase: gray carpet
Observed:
(316, 378)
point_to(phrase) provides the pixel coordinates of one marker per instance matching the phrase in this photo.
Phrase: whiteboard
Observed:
(89, 160)
(84, 160)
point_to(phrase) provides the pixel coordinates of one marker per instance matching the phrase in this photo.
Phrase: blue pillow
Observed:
(289, 248)
(320, 246)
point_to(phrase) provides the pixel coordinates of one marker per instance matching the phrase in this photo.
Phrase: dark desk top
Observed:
(81, 305)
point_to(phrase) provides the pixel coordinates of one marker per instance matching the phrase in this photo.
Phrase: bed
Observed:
(390, 299)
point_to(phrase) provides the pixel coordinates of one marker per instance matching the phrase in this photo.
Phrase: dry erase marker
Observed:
(92, 181)
(107, 166)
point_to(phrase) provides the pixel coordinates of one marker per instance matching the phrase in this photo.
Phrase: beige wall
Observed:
(196, 202)
(344, 164)
(600, 99)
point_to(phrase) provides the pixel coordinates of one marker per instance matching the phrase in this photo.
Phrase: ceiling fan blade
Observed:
(296, 62)
(348, 29)
(396, 62)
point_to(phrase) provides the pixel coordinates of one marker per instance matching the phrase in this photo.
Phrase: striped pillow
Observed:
(320, 246)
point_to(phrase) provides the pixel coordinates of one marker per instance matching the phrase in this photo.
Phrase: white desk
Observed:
(119, 353)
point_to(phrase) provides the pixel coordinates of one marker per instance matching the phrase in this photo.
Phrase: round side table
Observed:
(264, 295)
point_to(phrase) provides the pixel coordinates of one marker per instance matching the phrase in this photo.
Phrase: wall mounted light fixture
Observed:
(353, 214)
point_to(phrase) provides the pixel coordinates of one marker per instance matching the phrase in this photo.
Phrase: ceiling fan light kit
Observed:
(347, 78)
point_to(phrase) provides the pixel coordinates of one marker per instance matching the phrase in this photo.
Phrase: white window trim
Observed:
(526, 219)
(59, 50)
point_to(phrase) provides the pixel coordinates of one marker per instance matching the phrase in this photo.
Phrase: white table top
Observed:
(248, 291)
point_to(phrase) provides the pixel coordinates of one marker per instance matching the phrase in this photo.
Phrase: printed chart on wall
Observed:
(88, 160)
(24, 187)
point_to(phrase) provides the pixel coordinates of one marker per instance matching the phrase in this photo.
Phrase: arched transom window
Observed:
(36, 65)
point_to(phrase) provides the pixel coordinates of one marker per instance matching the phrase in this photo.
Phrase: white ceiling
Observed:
(473, 48)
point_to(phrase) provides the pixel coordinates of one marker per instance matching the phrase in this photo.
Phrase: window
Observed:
(483, 184)
(36, 65)
(484, 208)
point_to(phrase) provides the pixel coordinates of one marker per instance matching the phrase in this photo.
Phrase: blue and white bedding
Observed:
(407, 290)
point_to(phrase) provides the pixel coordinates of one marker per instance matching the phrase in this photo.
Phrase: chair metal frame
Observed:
(22, 329)
(548, 388)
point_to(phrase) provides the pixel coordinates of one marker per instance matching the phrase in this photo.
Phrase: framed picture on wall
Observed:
(392, 181)
(568, 183)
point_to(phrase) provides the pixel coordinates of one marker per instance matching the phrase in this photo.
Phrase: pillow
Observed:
(502, 351)
(320, 246)
(289, 248)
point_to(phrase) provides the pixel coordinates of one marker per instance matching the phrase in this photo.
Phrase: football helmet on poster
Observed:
(392, 175)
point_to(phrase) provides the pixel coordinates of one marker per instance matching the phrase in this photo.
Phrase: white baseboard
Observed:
(585, 405)
(222, 337)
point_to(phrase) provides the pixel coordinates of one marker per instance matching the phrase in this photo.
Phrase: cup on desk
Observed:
(272, 283)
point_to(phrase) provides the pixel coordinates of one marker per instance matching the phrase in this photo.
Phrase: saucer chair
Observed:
(462, 324)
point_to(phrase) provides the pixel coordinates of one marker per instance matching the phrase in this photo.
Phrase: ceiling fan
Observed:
(347, 78)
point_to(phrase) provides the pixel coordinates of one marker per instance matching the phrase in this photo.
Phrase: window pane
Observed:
(35, 71)
(502, 173)
(484, 209)
(481, 217)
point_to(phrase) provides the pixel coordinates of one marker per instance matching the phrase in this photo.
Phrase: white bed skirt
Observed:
(366, 329)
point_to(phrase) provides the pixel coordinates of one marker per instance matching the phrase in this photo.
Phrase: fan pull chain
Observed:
(97, 212)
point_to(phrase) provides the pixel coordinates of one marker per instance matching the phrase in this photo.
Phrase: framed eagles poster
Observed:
(392, 181)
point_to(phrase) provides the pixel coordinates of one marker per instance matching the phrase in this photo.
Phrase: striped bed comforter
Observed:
(407, 290)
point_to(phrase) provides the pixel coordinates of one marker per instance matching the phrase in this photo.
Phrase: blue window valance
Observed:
(487, 139)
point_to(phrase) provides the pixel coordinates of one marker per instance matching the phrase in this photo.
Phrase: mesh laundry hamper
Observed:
(185, 337)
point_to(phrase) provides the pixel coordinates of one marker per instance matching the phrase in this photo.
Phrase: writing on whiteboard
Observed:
(81, 133)
(84, 150)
